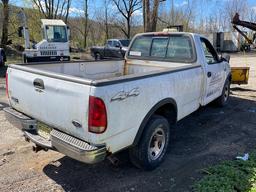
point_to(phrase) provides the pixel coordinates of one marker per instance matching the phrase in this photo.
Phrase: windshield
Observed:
(56, 34)
(125, 43)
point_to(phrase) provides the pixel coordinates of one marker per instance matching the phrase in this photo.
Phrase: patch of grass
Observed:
(13, 59)
(230, 176)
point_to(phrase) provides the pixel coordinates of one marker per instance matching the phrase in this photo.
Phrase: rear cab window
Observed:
(158, 48)
(141, 46)
(170, 47)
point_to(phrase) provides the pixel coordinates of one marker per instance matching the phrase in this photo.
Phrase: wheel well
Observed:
(169, 112)
(166, 108)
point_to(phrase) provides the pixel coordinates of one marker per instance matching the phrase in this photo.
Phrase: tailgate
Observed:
(59, 104)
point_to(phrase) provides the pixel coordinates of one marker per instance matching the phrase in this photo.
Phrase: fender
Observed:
(149, 115)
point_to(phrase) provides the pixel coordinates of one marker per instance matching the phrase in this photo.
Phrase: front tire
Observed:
(224, 98)
(152, 147)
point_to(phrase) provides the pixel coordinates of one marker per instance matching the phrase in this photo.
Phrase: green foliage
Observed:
(230, 176)
(96, 34)
(34, 24)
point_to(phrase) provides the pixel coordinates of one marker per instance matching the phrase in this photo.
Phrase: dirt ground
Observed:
(205, 138)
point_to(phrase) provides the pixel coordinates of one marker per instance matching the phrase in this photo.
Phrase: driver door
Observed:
(116, 49)
(107, 50)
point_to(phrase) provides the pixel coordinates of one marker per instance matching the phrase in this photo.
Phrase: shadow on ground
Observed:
(205, 138)
(242, 89)
(3, 105)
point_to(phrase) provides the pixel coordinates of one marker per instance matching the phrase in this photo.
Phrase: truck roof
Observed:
(116, 39)
(58, 22)
(170, 33)
(166, 33)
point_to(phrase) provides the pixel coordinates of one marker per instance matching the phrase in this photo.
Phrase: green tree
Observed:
(4, 38)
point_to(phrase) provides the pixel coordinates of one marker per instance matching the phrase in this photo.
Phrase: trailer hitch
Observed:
(37, 148)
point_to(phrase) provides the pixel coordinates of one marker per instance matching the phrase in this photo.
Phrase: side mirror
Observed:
(225, 57)
(118, 46)
(69, 33)
(20, 30)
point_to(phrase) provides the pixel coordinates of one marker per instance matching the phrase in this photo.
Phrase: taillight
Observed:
(97, 118)
(6, 83)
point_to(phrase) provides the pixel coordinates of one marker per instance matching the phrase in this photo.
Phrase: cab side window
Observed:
(209, 52)
(116, 44)
(109, 43)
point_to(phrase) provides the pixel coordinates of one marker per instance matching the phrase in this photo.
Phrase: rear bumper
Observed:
(62, 142)
(20, 120)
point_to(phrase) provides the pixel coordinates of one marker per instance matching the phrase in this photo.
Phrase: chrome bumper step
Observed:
(62, 142)
(82, 145)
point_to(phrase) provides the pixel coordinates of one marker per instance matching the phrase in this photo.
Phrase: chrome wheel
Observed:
(156, 144)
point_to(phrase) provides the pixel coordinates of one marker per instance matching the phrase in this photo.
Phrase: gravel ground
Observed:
(205, 138)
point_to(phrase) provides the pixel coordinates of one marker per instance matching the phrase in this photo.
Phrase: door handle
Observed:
(209, 74)
(38, 83)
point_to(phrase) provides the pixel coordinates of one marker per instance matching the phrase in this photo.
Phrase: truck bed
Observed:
(102, 70)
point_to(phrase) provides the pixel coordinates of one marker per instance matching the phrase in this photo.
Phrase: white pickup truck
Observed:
(90, 110)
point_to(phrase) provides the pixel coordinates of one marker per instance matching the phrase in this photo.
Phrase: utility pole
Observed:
(173, 12)
(85, 22)
(106, 20)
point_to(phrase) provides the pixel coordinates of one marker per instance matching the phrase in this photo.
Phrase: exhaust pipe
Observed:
(114, 161)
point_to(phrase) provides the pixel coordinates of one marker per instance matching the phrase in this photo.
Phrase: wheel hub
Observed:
(156, 144)
(226, 93)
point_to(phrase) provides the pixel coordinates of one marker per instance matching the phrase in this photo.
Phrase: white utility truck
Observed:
(90, 110)
(55, 43)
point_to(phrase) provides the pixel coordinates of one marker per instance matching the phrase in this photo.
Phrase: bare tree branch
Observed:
(52, 9)
(126, 8)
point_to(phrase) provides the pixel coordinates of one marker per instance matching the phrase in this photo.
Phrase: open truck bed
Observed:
(98, 72)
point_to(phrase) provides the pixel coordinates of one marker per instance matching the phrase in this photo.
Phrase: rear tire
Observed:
(224, 98)
(24, 59)
(149, 153)
(97, 56)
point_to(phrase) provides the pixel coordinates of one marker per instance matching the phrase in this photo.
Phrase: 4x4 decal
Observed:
(122, 95)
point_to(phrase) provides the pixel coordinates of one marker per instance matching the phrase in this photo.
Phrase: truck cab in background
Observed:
(53, 47)
(114, 48)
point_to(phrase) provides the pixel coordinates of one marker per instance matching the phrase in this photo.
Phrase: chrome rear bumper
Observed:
(62, 142)
(20, 120)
